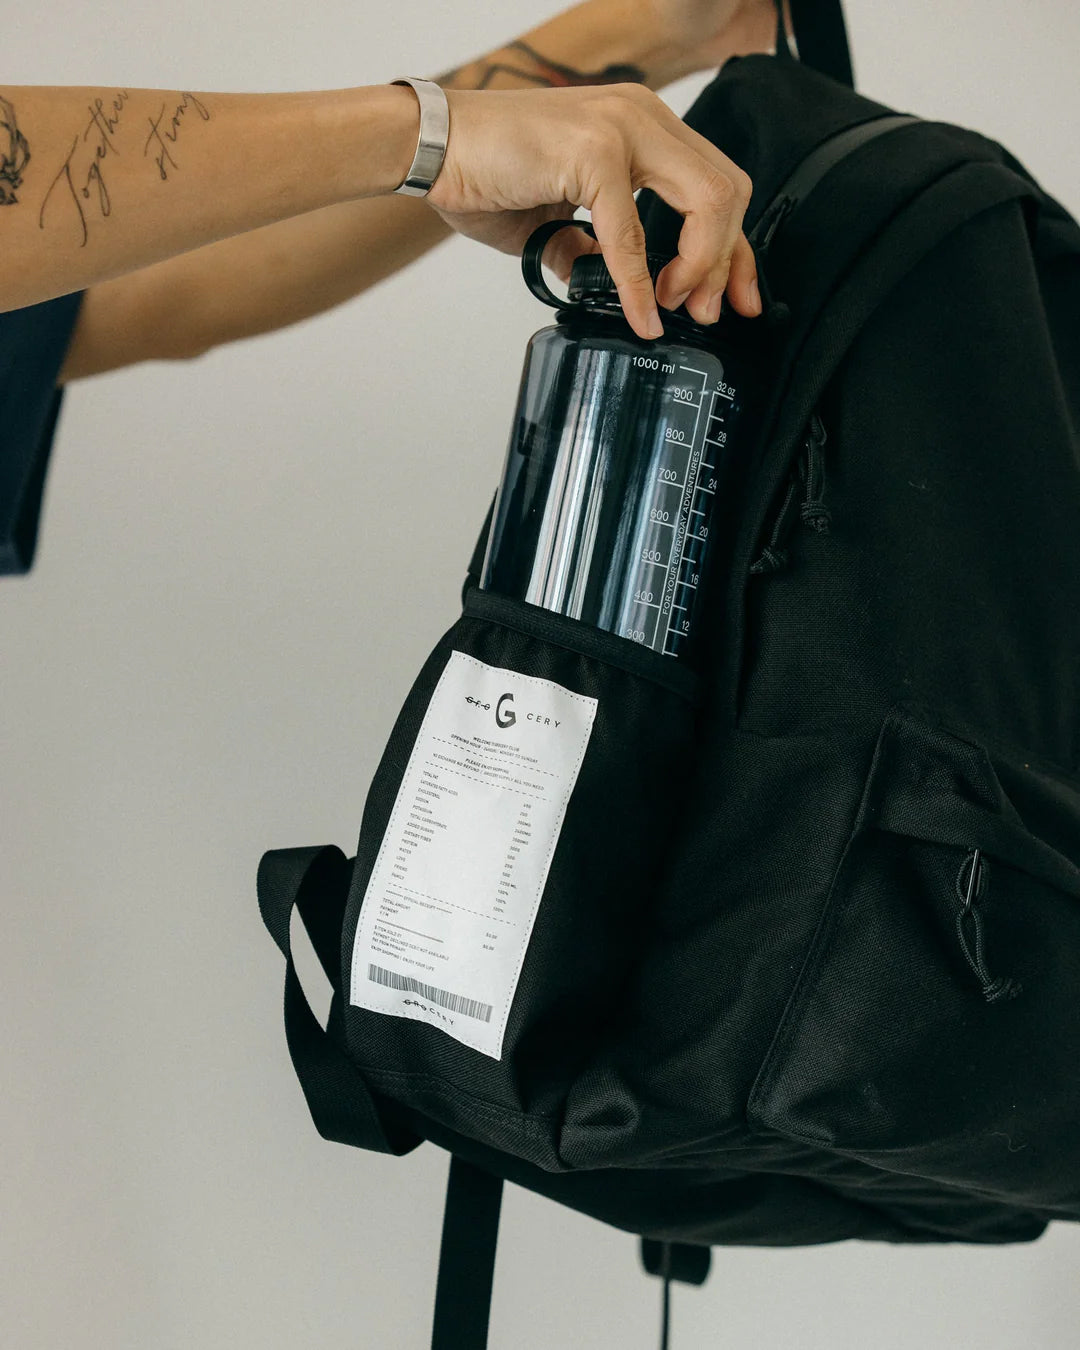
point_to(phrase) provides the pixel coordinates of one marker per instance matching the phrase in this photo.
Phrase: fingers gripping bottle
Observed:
(606, 511)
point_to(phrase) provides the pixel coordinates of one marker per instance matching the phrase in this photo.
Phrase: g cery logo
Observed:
(505, 717)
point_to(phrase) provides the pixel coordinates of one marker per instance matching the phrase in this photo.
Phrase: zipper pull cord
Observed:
(813, 510)
(809, 468)
(970, 890)
(774, 558)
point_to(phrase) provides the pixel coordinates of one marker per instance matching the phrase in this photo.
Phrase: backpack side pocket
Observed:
(934, 1030)
(511, 841)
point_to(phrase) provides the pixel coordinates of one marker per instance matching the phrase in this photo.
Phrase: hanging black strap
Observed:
(316, 881)
(466, 1258)
(682, 1262)
(821, 38)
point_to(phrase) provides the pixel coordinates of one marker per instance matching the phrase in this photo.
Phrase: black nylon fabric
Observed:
(767, 116)
(834, 995)
(591, 927)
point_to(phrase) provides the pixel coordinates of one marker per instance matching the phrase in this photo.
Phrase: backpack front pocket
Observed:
(935, 1027)
(511, 841)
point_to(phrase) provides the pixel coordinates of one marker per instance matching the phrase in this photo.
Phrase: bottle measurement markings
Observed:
(688, 487)
(687, 448)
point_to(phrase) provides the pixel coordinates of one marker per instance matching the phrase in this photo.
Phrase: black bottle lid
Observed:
(591, 288)
(591, 280)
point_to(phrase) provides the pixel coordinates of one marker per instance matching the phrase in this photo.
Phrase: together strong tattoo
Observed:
(159, 136)
(81, 177)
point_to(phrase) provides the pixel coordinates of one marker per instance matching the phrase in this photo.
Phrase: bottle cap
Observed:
(591, 280)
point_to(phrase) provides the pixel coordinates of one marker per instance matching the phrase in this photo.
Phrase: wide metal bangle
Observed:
(431, 144)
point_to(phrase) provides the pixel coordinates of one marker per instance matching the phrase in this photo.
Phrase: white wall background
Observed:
(244, 561)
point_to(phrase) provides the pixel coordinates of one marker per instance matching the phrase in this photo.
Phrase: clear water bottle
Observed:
(606, 511)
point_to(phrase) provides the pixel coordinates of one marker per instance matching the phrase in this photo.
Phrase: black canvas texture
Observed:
(832, 990)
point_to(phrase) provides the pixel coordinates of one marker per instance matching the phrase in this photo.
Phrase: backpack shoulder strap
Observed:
(316, 881)
(466, 1257)
(821, 38)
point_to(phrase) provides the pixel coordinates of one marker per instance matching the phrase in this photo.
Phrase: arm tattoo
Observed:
(81, 172)
(14, 154)
(544, 72)
(550, 72)
(160, 134)
(82, 194)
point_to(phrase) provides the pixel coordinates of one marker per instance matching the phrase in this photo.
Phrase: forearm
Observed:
(95, 183)
(250, 284)
(262, 280)
(597, 42)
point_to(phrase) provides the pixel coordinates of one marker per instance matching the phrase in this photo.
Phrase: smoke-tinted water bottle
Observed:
(617, 455)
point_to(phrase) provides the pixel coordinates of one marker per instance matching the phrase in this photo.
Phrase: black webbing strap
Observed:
(316, 881)
(466, 1258)
(682, 1262)
(821, 37)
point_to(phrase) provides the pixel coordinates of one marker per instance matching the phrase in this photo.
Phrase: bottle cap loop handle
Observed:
(533, 253)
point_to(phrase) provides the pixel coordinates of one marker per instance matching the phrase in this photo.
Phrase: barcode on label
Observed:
(471, 1007)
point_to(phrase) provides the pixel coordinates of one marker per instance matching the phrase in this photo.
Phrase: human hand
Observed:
(518, 158)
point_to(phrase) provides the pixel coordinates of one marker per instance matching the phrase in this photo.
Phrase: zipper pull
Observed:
(969, 889)
(809, 468)
(773, 558)
(813, 510)
(761, 236)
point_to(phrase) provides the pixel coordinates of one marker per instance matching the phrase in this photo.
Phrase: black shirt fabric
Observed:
(33, 342)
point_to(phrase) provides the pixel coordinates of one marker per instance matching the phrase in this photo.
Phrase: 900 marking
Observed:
(681, 484)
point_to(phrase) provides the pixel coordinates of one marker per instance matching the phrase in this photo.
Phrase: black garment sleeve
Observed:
(33, 342)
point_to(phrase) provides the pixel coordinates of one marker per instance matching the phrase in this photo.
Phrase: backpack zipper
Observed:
(809, 471)
(970, 889)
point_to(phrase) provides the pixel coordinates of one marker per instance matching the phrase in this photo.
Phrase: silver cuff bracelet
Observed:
(431, 145)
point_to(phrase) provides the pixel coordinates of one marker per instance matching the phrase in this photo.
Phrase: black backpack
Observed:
(806, 965)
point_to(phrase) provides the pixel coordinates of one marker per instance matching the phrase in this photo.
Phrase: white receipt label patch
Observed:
(452, 899)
